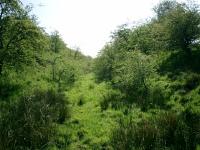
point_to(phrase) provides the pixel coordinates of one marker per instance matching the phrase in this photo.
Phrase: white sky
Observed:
(87, 24)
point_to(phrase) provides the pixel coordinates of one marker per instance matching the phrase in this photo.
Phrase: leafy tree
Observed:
(121, 38)
(111, 53)
(181, 24)
(57, 43)
(7, 8)
(19, 35)
(145, 38)
(104, 64)
(131, 76)
(163, 8)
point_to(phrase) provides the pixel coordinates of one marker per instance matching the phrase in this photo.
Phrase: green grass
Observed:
(90, 127)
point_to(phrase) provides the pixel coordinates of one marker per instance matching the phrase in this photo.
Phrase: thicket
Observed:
(166, 45)
(31, 123)
(36, 69)
(150, 71)
(168, 130)
(154, 65)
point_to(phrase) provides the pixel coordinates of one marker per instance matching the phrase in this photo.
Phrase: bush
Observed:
(104, 103)
(191, 117)
(130, 135)
(166, 131)
(157, 97)
(132, 74)
(192, 81)
(112, 98)
(30, 124)
(8, 89)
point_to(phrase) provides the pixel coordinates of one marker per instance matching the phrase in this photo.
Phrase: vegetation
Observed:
(142, 92)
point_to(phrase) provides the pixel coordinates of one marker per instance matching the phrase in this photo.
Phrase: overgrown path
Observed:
(90, 127)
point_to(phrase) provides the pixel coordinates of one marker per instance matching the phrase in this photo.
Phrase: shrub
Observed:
(157, 97)
(8, 89)
(192, 82)
(130, 135)
(191, 117)
(112, 98)
(131, 76)
(104, 103)
(166, 131)
(30, 123)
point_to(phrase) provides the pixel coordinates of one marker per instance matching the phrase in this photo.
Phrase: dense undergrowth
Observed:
(142, 92)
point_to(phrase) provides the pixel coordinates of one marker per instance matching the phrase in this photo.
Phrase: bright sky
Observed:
(87, 24)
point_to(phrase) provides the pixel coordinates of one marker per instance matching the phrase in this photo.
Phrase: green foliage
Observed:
(163, 8)
(57, 43)
(20, 37)
(181, 23)
(131, 136)
(104, 64)
(157, 97)
(89, 125)
(131, 75)
(192, 82)
(7, 89)
(147, 37)
(113, 99)
(31, 59)
(166, 131)
(120, 38)
(147, 77)
(30, 123)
